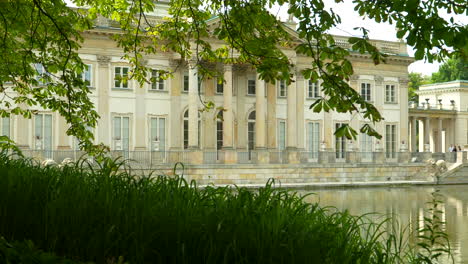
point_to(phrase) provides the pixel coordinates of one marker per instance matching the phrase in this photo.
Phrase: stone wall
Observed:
(301, 174)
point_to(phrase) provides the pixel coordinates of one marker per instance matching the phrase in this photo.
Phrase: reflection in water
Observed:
(408, 206)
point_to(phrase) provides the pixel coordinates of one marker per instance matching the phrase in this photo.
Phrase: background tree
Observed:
(453, 69)
(47, 32)
(416, 79)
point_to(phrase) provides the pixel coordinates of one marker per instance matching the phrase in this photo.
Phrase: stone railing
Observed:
(155, 159)
(428, 106)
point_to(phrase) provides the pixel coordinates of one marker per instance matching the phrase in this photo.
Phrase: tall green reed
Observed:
(104, 214)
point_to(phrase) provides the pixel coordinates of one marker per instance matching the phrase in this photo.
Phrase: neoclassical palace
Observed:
(260, 118)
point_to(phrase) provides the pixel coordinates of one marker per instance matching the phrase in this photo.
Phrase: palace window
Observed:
(121, 137)
(340, 143)
(86, 75)
(366, 143)
(186, 129)
(186, 82)
(219, 130)
(281, 135)
(313, 89)
(366, 91)
(390, 141)
(313, 139)
(251, 86)
(5, 126)
(157, 83)
(282, 92)
(390, 93)
(158, 133)
(120, 77)
(251, 133)
(43, 133)
(219, 86)
(41, 74)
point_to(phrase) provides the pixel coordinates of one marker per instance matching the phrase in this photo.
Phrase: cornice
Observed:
(441, 90)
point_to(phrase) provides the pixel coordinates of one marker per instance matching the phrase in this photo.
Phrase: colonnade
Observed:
(435, 133)
(295, 110)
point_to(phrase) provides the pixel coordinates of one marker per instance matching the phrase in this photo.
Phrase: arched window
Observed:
(186, 129)
(219, 130)
(251, 131)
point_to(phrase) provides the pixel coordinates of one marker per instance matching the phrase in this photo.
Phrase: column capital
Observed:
(103, 60)
(175, 63)
(228, 67)
(192, 63)
(299, 76)
(403, 81)
(378, 79)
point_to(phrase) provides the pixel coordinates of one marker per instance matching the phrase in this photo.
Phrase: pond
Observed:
(408, 205)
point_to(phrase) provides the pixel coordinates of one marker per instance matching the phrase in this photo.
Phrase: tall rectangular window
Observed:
(313, 139)
(282, 135)
(366, 142)
(366, 91)
(219, 86)
(186, 82)
(86, 75)
(158, 133)
(157, 83)
(390, 141)
(313, 89)
(120, 75)
(390, 93)
(121, 139)
(251, 86)
(282, 92)
(43, 132)
(5, 126)
(340, 143)
(41, 74)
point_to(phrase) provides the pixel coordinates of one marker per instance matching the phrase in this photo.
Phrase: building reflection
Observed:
(405, 207)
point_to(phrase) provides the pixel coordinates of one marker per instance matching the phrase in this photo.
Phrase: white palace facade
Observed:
(260, 118)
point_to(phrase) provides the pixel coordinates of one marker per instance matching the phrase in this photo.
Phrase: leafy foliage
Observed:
(453, 69)
(50, 33)
(415, 81)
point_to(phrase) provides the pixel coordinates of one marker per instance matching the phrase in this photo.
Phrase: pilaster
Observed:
(260, 133)
(176, 109)
(193, 105)
(103, 89)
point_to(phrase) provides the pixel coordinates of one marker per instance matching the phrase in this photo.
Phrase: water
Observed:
(408, 205)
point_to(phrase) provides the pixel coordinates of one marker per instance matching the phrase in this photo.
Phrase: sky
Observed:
(384, 31)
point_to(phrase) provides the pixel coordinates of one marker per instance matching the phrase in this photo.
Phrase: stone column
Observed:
(260, 142)
(454, 131)
(403, 101)
(260, 124)
(193, 106)
(421, 135)
(439, 136)
(300, 127)
(208, 119)
(271, 115)
(63, 138)
(175, 116)
(427, 131)
(240, 83)
(228, 113)
(291, 142)
(414, 120)
(103, 90)
(140, 118)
